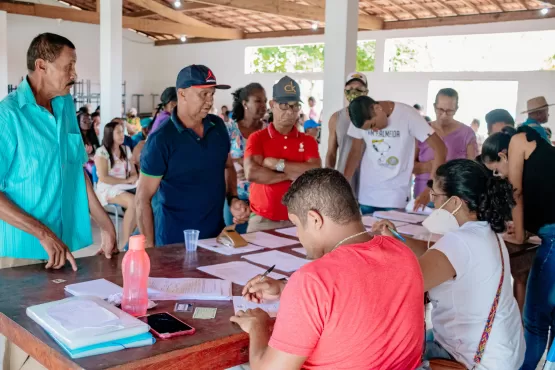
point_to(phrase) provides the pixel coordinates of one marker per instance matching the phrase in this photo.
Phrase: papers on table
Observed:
(163, 289)
(299, 250)
(411, 229)
(291, 231)
(268, 240)
(241, 304)
(283, 261)
(82, 314)
(370, 221)
(214, 246)
(410, 209)
(100, 288)
(400, 216)
(238, 272)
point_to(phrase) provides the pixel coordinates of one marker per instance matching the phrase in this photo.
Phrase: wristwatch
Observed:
(280, 166)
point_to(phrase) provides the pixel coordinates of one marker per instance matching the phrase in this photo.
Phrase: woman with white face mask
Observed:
(467, 272)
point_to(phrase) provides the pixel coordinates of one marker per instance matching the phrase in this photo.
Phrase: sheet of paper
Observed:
(300, 251)
(400, 216)
(100, 288)
(214, 246)
(291, 231)
(239, 272)
(241, 304)
(411, 229)
(410, 209)
(370, 221)
(266, 240)
(205, 313)
(164, 289)
(425, 236)
(78, 315)
(283, 261)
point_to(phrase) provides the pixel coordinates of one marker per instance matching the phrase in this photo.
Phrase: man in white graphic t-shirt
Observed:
(389, 130)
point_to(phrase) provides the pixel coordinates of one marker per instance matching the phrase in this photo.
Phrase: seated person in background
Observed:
(389, 130)
(312, 128)
(467, 266)
(96, 122)
(497, 119)
(168, 101)
(133, 122)
(459, 139)
(276, 156)
(90, 139)
(114, 169)
(353, 307)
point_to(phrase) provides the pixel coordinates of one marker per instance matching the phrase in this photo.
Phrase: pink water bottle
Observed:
(135, 268)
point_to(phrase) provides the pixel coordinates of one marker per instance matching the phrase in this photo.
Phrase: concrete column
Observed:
(111, 75)
(3, 54)
(340, 58)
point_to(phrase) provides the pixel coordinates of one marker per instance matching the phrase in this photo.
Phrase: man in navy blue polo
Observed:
(187, 162)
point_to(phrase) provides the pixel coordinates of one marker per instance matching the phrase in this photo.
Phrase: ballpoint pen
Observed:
(397, 235)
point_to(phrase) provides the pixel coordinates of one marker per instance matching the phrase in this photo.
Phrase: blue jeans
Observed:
(368, 210)
(228, 218)
(539, 307)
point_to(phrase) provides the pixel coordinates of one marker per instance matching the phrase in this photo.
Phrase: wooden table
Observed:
(217, 344)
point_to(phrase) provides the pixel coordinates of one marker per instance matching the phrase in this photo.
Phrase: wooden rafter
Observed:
(447, 6)
(403, 9)
(292, 10)
(383, 10)
(496, 4)
(318, 3)
(471, 6)
(523, 4)
(426, 7)
(168, 13)
(186, 7)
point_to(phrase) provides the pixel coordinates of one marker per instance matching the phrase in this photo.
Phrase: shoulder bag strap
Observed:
(491, 317)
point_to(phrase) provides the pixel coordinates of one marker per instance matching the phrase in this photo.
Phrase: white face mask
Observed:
(441, 221)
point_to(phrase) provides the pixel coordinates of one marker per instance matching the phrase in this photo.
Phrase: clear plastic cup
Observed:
(191, 239)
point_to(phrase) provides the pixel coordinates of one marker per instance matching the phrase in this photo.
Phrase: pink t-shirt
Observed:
(358, 307)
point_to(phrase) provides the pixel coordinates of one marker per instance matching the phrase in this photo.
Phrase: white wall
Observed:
(137, 53)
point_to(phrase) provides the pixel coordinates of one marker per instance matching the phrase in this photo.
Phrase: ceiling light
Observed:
(544, 11)
(183, 38)
(315, 25)
(177, 4)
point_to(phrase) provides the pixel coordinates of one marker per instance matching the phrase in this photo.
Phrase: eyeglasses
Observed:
(449, 112)
(294, 107)
(358, 91)
(434, 195)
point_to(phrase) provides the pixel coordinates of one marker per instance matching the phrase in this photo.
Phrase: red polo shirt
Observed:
(296, 147)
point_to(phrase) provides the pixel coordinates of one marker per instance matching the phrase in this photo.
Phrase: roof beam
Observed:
(168, 13)
(184, 9)
(144, 25)
(292, 10)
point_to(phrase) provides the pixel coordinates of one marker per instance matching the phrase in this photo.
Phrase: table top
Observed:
(216, 344)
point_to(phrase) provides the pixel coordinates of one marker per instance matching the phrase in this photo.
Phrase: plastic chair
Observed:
(115, 208)
(550, 360)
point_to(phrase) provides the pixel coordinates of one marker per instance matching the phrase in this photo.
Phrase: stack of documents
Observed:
(241, 304)
(86, 326)
(268, 240)
(238, 272)
(214, 246)
(163, 289)
(400, 216)
(283, 261)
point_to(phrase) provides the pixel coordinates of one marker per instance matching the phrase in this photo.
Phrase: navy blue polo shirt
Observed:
(192, 190)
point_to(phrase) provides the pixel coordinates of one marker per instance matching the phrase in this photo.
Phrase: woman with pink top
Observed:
(459, 138)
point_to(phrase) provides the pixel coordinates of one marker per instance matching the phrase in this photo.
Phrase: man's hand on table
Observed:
(250, 320)
(240, 211)
(383, 227)
(58, 252)
(109, 244)
(270, 163)
(266, 290)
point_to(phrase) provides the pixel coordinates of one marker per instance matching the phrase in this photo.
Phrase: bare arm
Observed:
(262, 356)
(517, 152)
(420, 167)
(136, 158)
(143, 199)
(230, 177)
(471, 150)
(295, 169)
(102, 172)
(354, 158)
(18, 218)
(436, 269)
(440, 152)
(257, 173)
(331, 155)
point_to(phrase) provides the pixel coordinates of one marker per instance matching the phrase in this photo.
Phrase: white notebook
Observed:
(238, 272)
(100, 288)
(283, 261)
(174, 289)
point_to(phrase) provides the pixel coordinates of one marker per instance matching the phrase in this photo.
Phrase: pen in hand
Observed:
(397, 235)
(261, 278)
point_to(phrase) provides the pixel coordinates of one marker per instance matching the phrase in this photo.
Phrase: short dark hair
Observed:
(499, 115)
(312, 98)
(475, 121)
(325, 191)
(361, 110)
(47, 46)
(489, 196)
(450, 93)
(418, 107)
(95, 114)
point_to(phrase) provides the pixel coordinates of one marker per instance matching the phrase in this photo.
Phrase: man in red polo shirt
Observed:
(276, 156)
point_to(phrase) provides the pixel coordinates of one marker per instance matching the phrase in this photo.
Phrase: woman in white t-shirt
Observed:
(116, 174)
(462, 271)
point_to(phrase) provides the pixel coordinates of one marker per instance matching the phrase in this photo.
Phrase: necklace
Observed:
(348, 238)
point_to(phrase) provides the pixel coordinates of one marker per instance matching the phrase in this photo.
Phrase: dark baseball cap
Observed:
(197, 76)
(169, 95)
(286, 90)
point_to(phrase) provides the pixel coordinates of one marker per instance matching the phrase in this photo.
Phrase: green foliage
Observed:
(550, 63)
(366, 56)
(404, 55)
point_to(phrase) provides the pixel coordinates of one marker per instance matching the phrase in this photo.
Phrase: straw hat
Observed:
(536, 104)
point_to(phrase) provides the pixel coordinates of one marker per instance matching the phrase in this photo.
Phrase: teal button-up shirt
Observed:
(536, 126)
(41, 171)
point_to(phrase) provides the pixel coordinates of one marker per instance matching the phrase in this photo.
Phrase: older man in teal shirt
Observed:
(45, 196)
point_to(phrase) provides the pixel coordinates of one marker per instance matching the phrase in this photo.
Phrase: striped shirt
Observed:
(41, 171)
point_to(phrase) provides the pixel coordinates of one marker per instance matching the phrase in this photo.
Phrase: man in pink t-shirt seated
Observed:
(359, 305)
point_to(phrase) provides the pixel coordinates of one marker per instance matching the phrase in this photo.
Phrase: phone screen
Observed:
(164, 323)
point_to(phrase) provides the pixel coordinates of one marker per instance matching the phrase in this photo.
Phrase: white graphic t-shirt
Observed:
(386, 168)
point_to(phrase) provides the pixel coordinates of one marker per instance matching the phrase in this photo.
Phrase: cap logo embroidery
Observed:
(290, 88)
(301, 147)
(210, 77)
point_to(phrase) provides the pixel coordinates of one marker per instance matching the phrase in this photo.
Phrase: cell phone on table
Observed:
(165, 326)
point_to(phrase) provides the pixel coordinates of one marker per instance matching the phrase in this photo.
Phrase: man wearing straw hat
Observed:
(538, 113)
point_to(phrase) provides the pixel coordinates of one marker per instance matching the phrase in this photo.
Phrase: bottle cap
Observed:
(137, 243)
